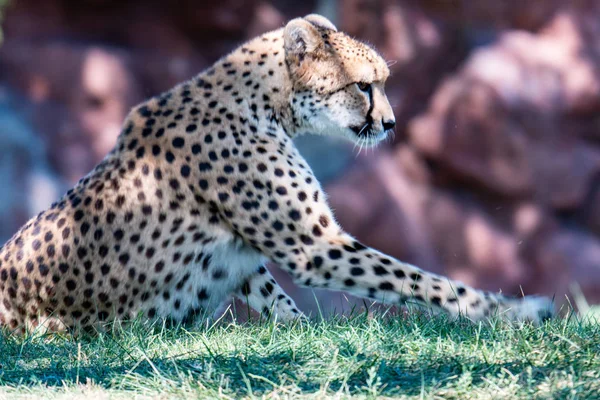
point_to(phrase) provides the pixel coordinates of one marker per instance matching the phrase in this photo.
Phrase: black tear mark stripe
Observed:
(369, 118)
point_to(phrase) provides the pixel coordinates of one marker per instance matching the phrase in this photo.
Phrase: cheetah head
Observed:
(337, 82)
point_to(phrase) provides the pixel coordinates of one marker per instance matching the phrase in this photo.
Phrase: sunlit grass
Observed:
(413, 357)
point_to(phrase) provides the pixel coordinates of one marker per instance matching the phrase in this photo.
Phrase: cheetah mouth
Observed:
(367, 135)
(366, 130)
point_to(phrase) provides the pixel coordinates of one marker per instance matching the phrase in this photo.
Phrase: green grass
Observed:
(360, 356)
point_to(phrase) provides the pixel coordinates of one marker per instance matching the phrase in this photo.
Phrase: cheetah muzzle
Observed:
(205, 185)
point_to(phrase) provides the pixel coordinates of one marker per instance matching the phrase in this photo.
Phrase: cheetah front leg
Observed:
(262, 293)
(343, 263)
(294, 226)
(339, 262)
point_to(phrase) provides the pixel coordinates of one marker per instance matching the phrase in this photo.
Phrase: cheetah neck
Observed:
(255, 79)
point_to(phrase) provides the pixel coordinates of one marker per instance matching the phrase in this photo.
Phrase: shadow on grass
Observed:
(241, 370)
(332, 354)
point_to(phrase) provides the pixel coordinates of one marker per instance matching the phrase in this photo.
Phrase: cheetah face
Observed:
(338, 83)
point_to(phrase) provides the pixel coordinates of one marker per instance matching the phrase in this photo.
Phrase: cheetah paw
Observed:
(535, 309)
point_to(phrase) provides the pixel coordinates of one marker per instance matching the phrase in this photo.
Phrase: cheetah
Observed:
(205, 185)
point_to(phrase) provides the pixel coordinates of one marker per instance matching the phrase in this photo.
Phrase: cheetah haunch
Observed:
(204, 185)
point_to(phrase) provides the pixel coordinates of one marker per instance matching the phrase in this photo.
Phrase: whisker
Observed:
(363, 128)
(359, 140)
(357, 143)
(354, 147)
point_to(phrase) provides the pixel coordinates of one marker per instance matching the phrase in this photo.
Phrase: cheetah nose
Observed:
(387, 125)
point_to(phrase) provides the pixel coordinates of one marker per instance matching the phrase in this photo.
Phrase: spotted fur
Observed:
(205, 184)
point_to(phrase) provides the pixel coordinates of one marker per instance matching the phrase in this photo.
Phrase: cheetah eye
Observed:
(364, 87)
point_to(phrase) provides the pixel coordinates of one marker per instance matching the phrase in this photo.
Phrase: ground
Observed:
(358, 356)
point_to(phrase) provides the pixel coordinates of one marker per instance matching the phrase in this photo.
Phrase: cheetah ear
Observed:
(320, 22)
(300, 37)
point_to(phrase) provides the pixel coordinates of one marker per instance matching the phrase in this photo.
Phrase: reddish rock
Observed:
(498, 122)
(491, 14)
(565, 257)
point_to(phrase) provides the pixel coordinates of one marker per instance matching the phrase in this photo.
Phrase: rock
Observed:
(469, 132)
(497, 15)
(566, 256)
(505, 114)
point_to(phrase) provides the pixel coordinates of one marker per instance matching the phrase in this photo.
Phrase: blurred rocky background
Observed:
(493, 177)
